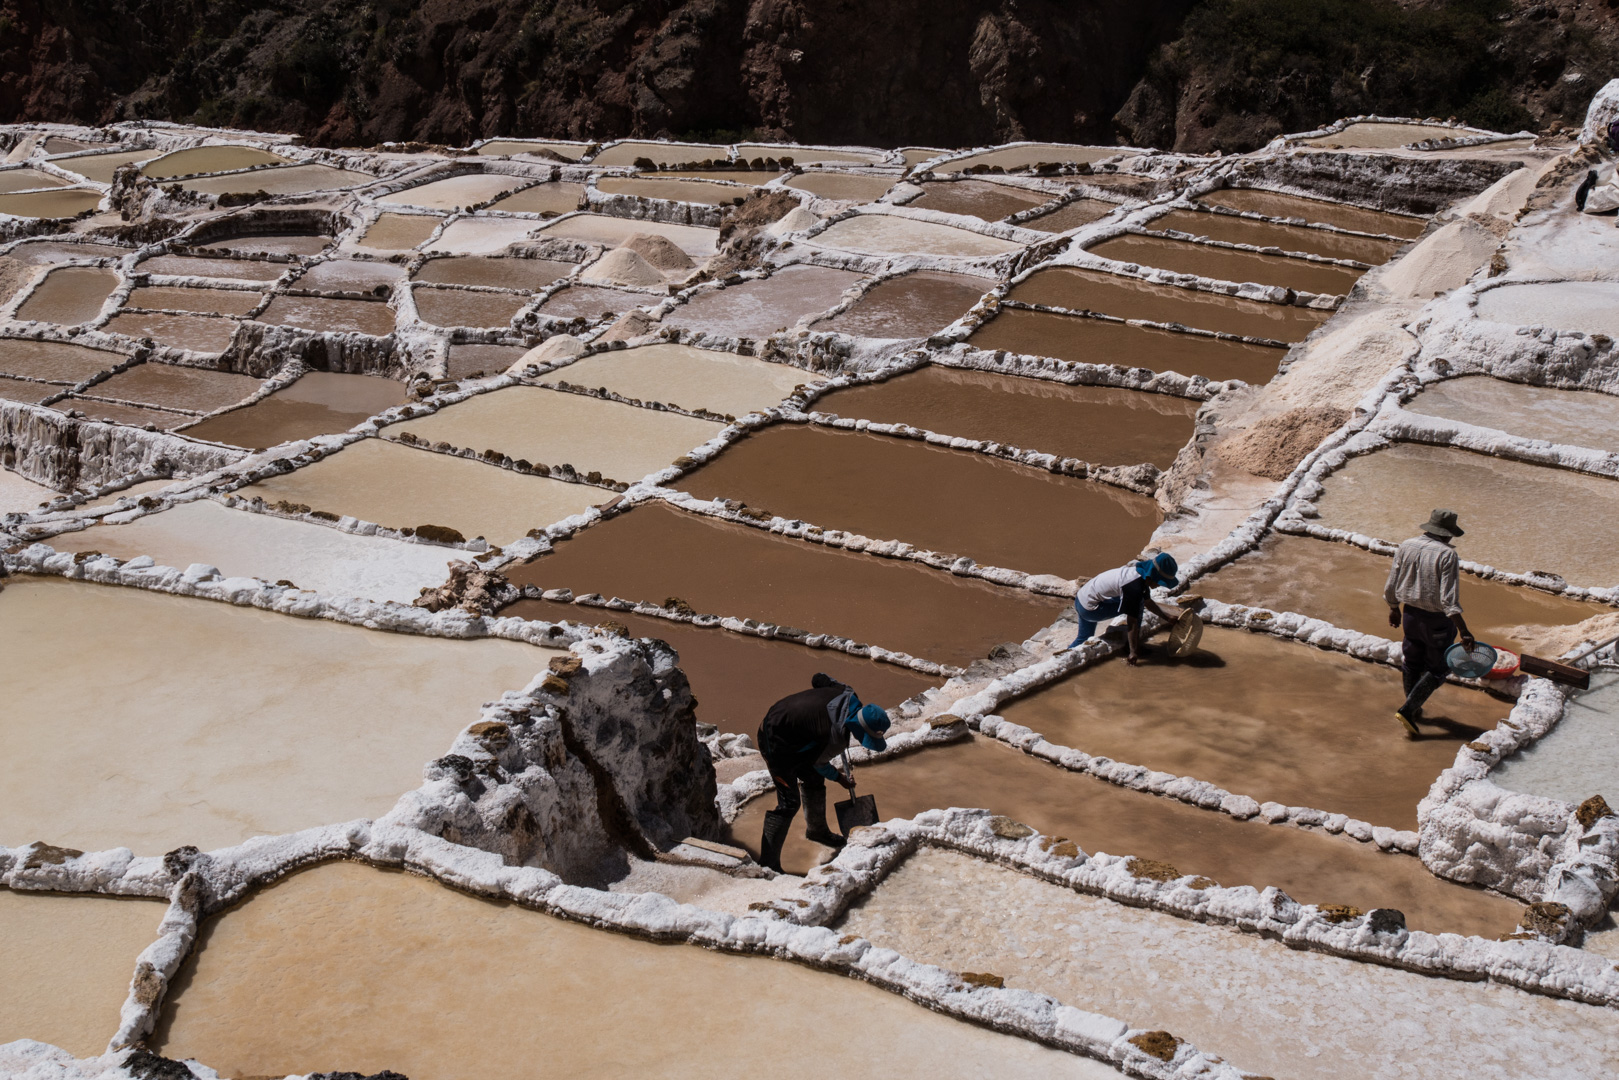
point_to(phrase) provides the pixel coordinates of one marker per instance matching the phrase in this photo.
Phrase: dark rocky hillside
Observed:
(1196, 75)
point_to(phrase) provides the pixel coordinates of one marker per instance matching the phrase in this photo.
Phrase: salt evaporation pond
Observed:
(976, 198)
(287, 180)
(552, 197)
(1274, 720)
(1082, 340)
(697, 242)
(567, 151)
(400, 487)
(482, 235)
(1109, 294)
(1092, 423)
(330, 963)
(1071, 215)
(1574, 417)
(244, 544)
(720, 382)
(318, 403)
(189, 743)
(619, 441)
(53, 361)
(1340, 215)
(174, 386)
(1517, 517)
(68, 962)
(675, 190)
(54, 203)
(69, 295)
(467, 360)
(806, 155)
(894, 234)
(1022, 157)
(843, 187)
(399, 232)
(1591, 306)
(499, 273)
(1343, 585)
(654, 552)
(209, 159)
(1374, 135)
(1311, 867)
(659, 153)
(203, 266)
(750, 177)
(26, 391)
(351, 275)
(1580, 756)
(101, 167)
(1228, 264)
(594, 302)
(911, 305)
(43, 252)
(27, 180)
(763, 306)
(464, 307)
(201, 301)
(134, 415)
(271, 243)
(1269, 234)
(18, 494)
(737, 677)
(455, 192)
(199, 333)
(325, 315)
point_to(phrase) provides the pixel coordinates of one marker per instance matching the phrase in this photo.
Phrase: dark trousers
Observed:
(1422, 655)
(788, 777)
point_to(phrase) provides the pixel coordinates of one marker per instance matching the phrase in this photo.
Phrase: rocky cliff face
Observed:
(1193, 74)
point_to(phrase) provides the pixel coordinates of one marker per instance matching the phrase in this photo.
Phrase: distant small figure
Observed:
(1424, 579)
(800, 736)
(1583, 192)
(1124, 592)
(1613, 136)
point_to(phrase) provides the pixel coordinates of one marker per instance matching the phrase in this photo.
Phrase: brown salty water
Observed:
(1343, 584)
(269, 724)
(201, 301)
(136, 415)
(976, 198)
(1082, 340)
(399, 232)
(319, 403)
(400, 486)
(1072, 215)
(27, 180)
(567, 151)
(911, 305)
(1266, 234)
(956, 501)
(593, 302)
(1092, 423)
(1227, 264)
(176, 387)
(1518, 517)
(736, 678)
(26, 391)
(285, 180)
(847, 187)
(200, 333)
(272, 244)
(41, 252)
(54, 361)
(1276, 720)
(100, 167)
(331, 963)
(68, 961)
(720, 382)
(1021, 157)
(554, 197)
(1128, 298)
(654, 552)
(529, 274)
(209, 159)
(455, 192)
(466, 360)
(54, 203)
(330, 316)
(463, 307)
(69, 295)
(805, 155)
(677, 190)
(1576, 417)
(897, 234)
(351, 275)
(1311, 867)
(201, 266)
(1277, 205)
(764, 306)
(663, 153)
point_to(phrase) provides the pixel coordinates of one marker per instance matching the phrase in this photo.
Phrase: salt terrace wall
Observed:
(62, 452)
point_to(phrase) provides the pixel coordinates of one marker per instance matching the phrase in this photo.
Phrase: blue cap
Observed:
(1160, 570)
(869, 724)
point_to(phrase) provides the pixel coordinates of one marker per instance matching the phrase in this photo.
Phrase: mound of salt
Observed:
(660, 251)
(795, 220)
(622, 266)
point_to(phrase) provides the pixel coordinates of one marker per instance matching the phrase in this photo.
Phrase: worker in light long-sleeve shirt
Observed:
(1423, 581)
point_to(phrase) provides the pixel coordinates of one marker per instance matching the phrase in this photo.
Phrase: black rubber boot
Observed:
(1418, 694)
(775, 835)
(815, 819)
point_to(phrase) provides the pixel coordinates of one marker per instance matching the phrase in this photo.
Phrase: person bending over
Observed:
(1424, 580)
(1124, 592)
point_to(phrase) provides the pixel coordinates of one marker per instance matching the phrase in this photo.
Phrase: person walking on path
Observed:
(1124, 592)
(1423, 581)
(800, 736)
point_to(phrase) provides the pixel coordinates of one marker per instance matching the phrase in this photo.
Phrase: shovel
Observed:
(856, 810)
(1185, 634)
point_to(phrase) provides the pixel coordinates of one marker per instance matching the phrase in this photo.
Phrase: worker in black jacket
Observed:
(800, 736)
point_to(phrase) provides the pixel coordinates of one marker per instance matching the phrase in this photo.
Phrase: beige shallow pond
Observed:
(326, 315)
(201, 301)
(174, 386)
(996, 512)
(272, 243)
(677, 190)
(1109, 294)
(620, 441)
(53, 361)
(27, 391)
(847, 187)
(18, 494)
(662, 153)
(352, 275)
(54, 203)
(1084, 340)
(209, 159)
(135, 415)
(400, 486)
(568, 151)
(68, 961)
(69, 295)
(101, 167)
(482, 235)
(1591, 306)
(200, 333)
(27, 180)
(330, 964)
(612, 231)
(1518, 517)
(455, 192)
(979, 199)
(1576, 417)
(1275, 720)
(201, 266)
(1373, 135)
(552, 197)
(529, 274)
(1342, 215)
(45, 252)
(205, 723)
(245, 544)
(1228, 264)
(288, 180)
(464, 307)
(764, 306)
(1071, 215)
(1269, 234)
(1311, 867)
(465, 361)
(594, 302)
(911, 305)
(399, 232)
(1092, 423)
(893, 234)
(1343, 584)
(806, 155)
(319, 403)
(654, 552)
(720, 382)
(1022, 157)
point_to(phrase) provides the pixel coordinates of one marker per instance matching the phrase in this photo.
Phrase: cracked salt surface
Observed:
(1268, 1008)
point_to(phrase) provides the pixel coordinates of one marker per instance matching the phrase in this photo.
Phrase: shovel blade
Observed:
(852, 813)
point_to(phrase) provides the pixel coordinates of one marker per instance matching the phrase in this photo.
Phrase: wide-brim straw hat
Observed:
(1442, 523)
